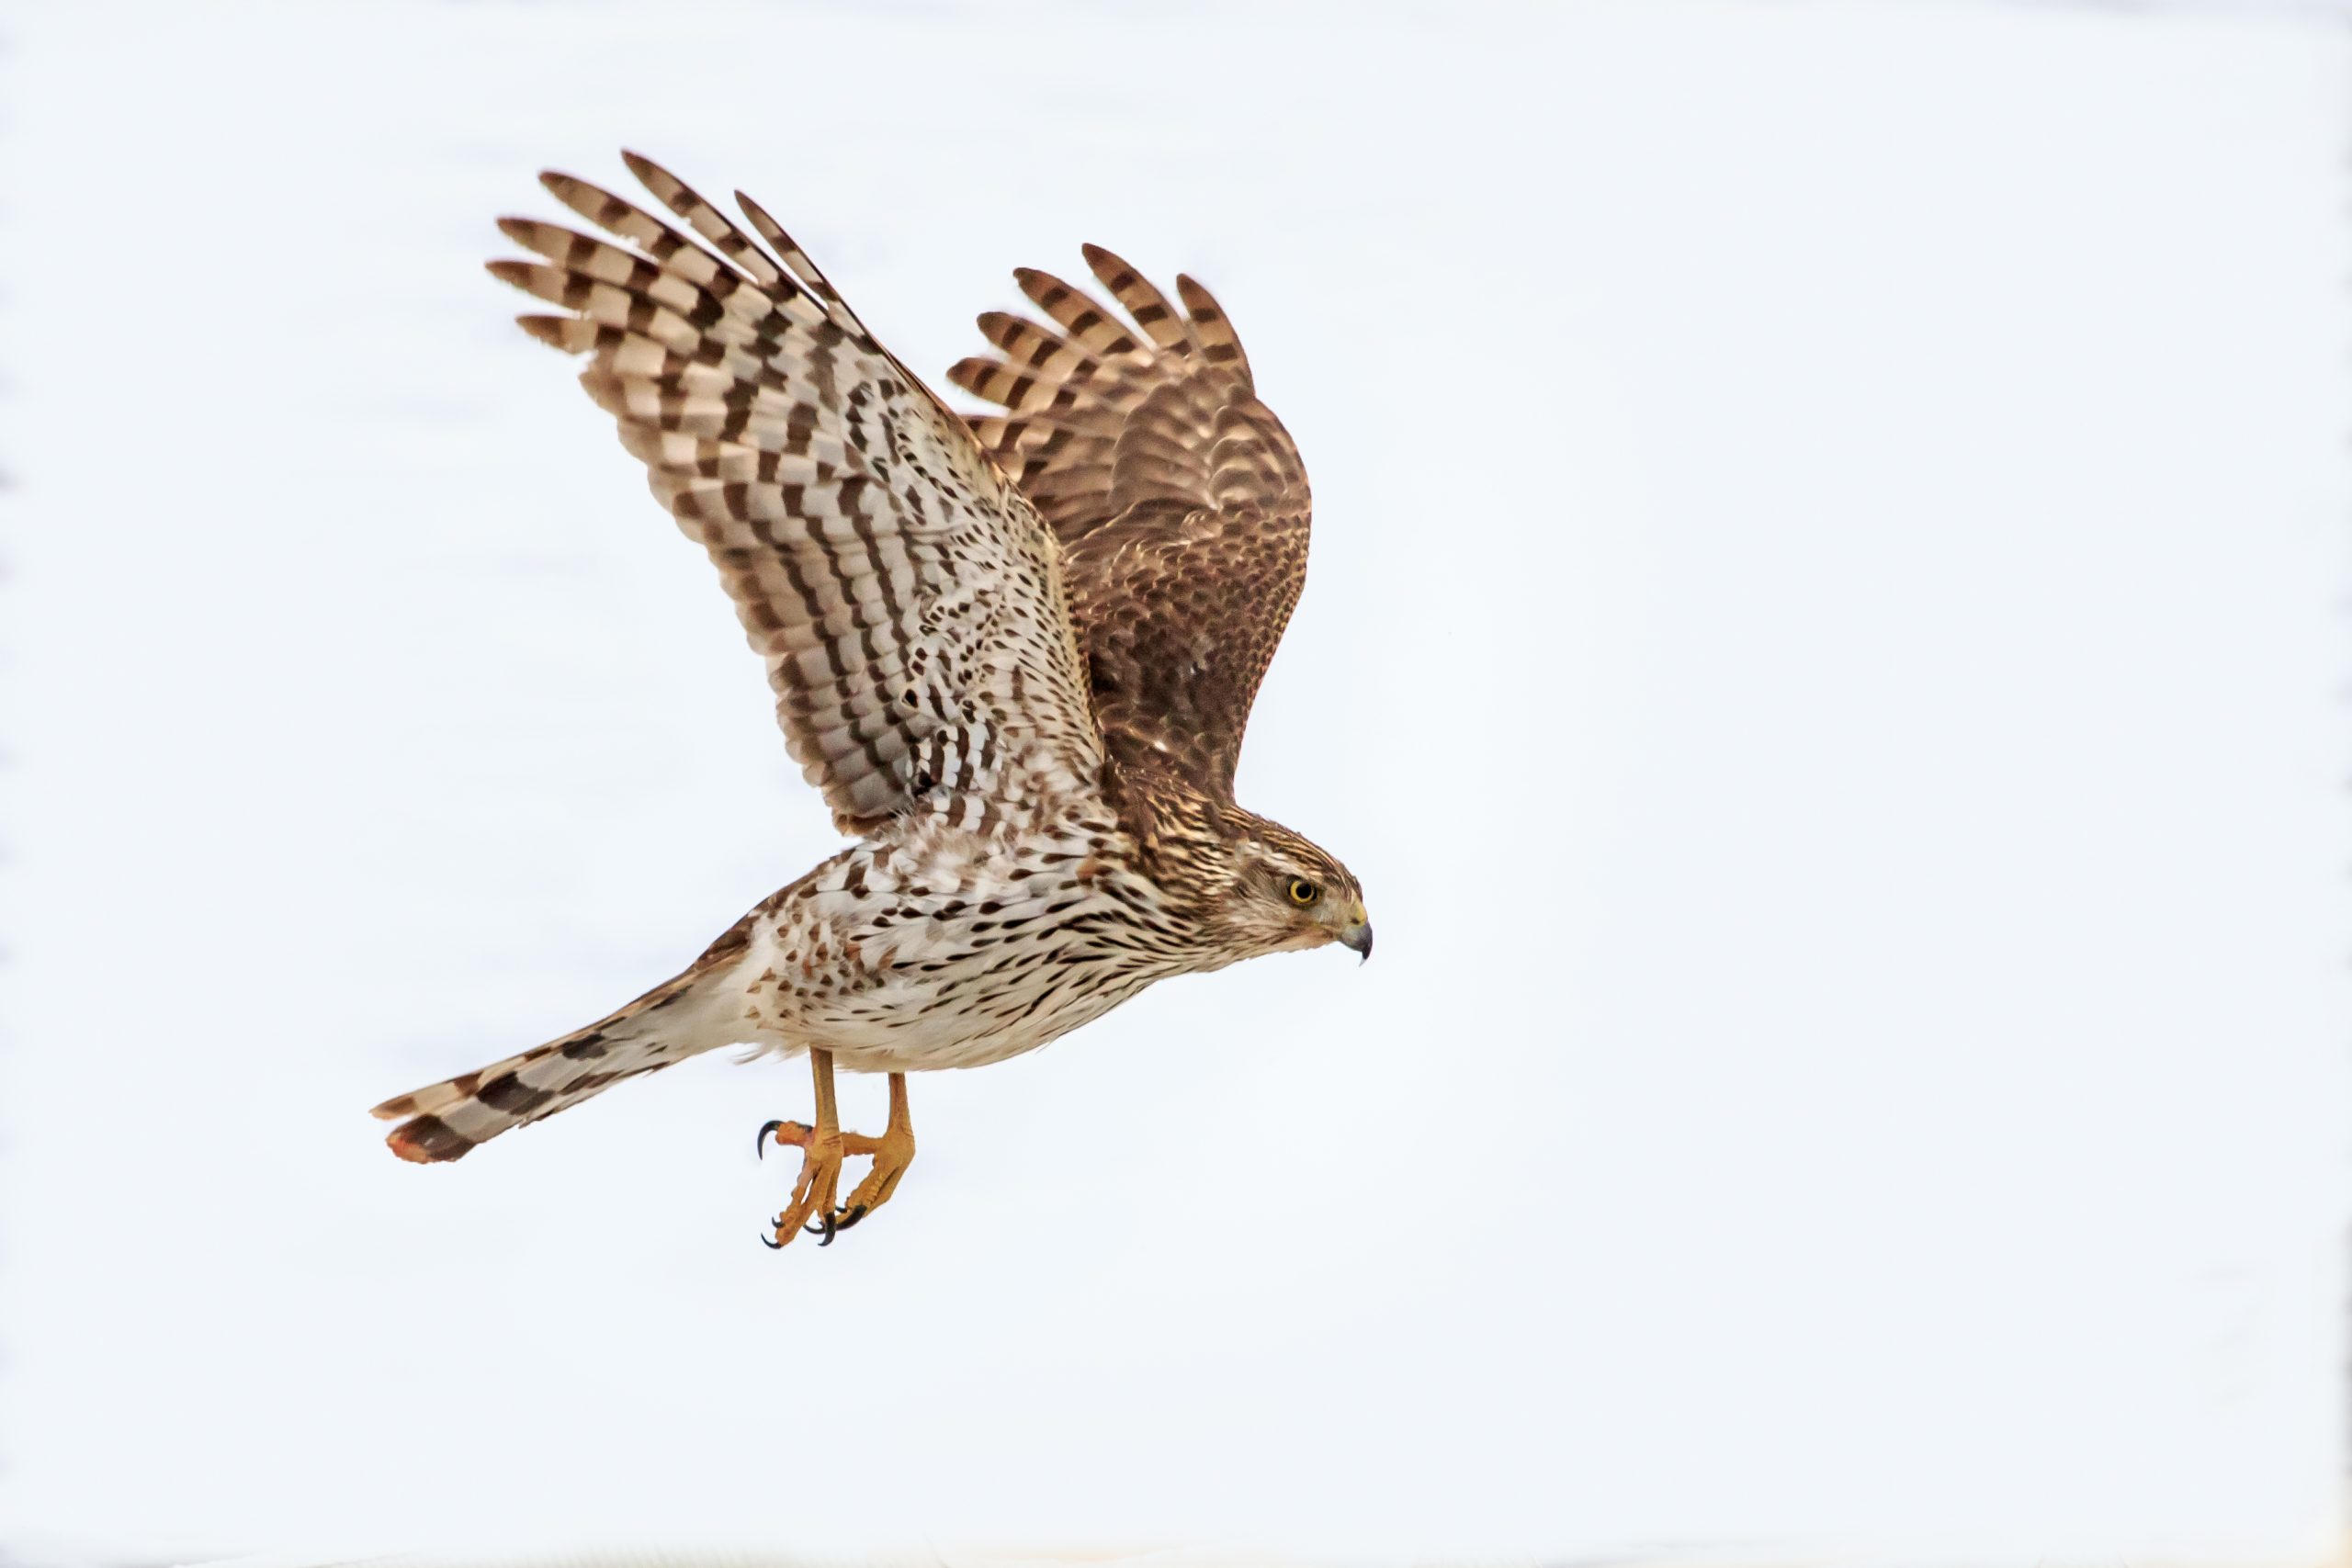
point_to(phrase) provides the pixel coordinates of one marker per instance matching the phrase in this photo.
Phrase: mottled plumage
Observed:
(1016, 656)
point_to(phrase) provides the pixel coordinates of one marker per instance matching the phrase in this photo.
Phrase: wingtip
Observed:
(531, 276)
(971, 369)
(567, 334)
(763, 220)
(1111, 269)
(1198, 301)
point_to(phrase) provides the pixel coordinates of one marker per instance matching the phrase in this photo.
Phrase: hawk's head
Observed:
(1283, 893)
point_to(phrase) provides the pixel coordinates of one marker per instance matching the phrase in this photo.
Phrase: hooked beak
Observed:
(1356, 935)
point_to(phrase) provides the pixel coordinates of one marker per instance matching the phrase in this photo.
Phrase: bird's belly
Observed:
(920, 992)
(952, 1018)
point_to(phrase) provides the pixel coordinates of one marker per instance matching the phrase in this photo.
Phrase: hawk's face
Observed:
(1286, 894)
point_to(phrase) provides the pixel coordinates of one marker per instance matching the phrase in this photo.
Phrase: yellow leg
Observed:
(892, 1152)
(822, 1149)
(821, 1158)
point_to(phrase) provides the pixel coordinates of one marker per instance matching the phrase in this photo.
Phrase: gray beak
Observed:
(1357, 939)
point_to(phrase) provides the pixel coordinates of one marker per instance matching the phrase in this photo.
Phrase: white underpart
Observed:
(957, 953)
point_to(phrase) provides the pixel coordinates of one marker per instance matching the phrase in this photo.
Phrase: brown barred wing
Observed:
(1180, 496)
(908, 601)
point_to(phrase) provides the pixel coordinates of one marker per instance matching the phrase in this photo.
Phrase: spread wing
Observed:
(907, 599)
(1180, 496)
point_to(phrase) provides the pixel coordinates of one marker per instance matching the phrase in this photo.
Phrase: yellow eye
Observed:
(1301, 892)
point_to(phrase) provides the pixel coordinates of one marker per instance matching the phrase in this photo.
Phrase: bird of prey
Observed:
(1014, 652)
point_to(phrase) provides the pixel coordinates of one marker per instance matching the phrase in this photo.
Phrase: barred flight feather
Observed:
(1183, 500)
(900, 588)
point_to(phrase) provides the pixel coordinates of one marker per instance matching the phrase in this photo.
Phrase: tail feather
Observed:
(680, 1018)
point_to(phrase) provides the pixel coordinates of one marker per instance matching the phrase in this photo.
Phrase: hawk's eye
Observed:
(1301, 892)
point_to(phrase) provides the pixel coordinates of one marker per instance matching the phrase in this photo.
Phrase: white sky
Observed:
(1826, 647)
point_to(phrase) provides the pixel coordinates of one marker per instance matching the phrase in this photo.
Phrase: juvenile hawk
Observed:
(1016, 655)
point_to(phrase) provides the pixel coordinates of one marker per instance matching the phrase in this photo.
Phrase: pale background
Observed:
(1825, 646)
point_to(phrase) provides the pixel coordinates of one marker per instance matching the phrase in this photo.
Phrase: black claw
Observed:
(828, 1230)
(761, 1147)
(848, 1217)
(771, 1244)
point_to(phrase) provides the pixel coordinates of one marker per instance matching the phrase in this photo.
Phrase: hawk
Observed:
(1015, 653)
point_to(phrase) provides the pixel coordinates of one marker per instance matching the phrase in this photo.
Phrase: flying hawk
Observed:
(1016, 654)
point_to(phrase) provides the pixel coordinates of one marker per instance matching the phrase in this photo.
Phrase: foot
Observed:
(892, 1152)
(821, 1154)
(822, 1149)
(812, 1208)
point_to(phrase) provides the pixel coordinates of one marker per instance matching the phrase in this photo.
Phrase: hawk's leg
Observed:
(892, 1152)
(821, 1157)
(822, 1149)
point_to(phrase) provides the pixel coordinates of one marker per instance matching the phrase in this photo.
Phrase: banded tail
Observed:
(682, 1017)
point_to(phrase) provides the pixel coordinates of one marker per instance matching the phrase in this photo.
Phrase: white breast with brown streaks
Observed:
(937, 947)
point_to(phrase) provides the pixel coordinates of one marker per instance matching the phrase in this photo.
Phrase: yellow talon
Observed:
(822, 1149)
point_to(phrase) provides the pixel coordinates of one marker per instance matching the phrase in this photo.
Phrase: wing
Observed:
(907, 597)
(1180, 495)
